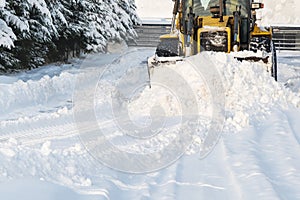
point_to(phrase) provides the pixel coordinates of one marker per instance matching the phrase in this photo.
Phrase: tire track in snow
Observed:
(32, 127)
(39, 131)
(265, 159)
(232, 176)
(251, 179)
(291, 126)
(276, 159)
(191, 178)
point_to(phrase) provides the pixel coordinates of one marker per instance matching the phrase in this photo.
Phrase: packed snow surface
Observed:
(33, 189)
(256, 157)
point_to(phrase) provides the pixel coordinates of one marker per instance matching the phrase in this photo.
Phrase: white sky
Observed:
(154, 8)
(275, 12)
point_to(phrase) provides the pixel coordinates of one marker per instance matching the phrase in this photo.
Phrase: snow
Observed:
(256, 156)
(7, 36)
(33, 189)
(93, 129)
(2, 3)
(95, 23)
(21, 24)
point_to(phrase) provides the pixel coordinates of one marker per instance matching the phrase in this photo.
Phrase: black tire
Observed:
(260, 43)
(265, 44)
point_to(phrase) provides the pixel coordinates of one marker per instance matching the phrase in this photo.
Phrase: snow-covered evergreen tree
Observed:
(7, 38)
(32, 25)
(37, 31)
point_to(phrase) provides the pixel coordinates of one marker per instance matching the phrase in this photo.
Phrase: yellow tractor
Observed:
(216, 25)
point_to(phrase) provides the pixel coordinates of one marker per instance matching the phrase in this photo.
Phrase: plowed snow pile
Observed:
(257, 156)
(250, 96)
(250, 92)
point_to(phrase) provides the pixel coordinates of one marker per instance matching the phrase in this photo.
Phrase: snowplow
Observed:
(216, 25)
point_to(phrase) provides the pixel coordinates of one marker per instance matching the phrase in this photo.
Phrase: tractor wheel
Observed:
(260, 43)
(265, 44)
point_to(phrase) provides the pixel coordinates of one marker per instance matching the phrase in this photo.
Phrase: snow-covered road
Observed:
(257, 156)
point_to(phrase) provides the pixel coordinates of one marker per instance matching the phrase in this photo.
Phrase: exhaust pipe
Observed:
(221, 10)
(175, 11)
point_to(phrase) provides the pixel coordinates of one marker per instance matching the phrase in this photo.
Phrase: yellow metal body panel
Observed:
(258, 32)
(210, 21)
(181, 39)
(168, 36)
(204, 23)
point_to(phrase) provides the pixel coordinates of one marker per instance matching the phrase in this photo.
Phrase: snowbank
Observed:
(35, 93)
(251, 95)
(256, 157)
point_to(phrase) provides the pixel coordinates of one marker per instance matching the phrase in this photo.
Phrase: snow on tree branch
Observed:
(2, 3)
(7, 36)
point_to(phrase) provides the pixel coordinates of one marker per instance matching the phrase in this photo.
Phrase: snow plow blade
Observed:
(269, 61)
(168, 46)
(268, 58)
(253, 59)
(156, 61)
(270, 65)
